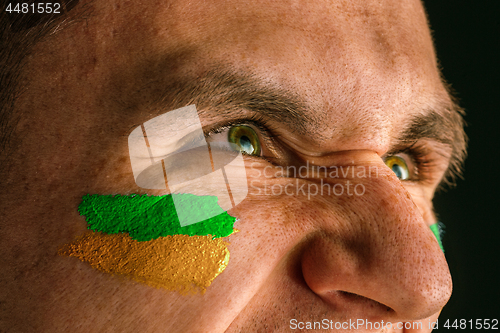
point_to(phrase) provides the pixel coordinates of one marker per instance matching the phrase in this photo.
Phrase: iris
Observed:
(245, 138)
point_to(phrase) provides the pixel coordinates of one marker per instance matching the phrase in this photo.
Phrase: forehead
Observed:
(361, 67)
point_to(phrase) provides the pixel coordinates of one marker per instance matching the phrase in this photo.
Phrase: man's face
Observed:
(362, 77)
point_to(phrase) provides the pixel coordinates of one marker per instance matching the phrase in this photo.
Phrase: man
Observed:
(349, 87)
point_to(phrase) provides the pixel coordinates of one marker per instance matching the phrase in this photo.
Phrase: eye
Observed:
(245, 138)
(398, 166)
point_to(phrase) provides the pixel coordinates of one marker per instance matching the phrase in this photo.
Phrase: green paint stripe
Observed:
(437, 232)
(146, 217)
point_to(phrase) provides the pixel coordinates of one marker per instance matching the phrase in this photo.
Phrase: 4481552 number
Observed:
(39, 8)
(471, 324)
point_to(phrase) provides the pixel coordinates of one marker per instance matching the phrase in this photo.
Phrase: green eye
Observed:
(245, 138)
(398, 166)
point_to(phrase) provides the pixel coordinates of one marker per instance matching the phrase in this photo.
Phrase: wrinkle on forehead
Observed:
(339, 53)
(361, 67)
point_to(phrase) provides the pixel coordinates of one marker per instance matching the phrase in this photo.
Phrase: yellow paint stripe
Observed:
(184, 263)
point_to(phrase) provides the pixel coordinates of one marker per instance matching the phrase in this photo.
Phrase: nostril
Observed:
(357, 305)
(361, 299)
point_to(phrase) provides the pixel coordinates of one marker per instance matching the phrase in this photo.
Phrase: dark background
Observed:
(467, 38)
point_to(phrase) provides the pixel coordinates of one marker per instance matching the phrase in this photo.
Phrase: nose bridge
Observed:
(376, 244)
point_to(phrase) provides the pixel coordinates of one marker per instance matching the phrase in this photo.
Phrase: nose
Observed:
(373, 255)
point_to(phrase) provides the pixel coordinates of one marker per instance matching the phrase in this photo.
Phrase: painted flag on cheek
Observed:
(140, 237)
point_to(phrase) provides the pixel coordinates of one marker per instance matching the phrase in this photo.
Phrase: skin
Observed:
(363, 68)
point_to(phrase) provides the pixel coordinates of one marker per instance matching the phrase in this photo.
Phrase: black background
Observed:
(467, 38)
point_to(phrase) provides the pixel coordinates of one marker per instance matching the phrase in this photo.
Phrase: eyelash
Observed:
(419, 154)
(255, 120)
(420, 158)
(265, 131)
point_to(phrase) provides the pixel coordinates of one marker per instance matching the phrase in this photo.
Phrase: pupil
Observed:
(397, 170)
(246, 144)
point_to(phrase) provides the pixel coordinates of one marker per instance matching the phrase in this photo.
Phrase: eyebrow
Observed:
(225, 93)
(230, 92)
(444, 125)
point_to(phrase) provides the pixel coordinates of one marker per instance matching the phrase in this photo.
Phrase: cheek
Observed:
(423, 201)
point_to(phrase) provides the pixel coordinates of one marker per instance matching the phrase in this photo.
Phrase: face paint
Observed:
(140, 236)
(437, 229)
(146, 217)
(179, 263)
